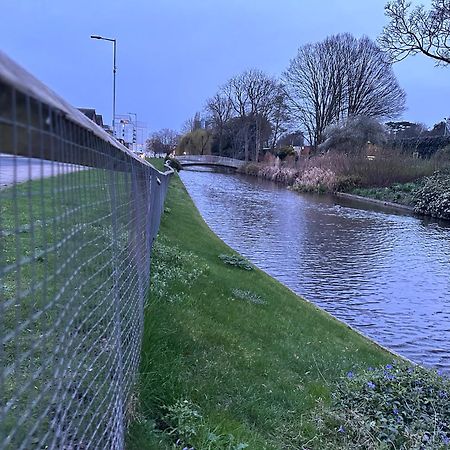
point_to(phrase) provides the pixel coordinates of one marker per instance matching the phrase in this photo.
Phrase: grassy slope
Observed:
(253, 370)
(397, 193)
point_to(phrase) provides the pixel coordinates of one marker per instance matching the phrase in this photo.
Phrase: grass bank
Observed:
(231, 358)
(397, 193)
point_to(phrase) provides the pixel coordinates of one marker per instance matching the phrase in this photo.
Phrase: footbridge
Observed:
(209, 160)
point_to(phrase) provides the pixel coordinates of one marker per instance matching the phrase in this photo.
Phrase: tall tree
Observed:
(219, 109)
(236, 92)
(197, 142)
(313, 89)
(279, 117)
(341, 77)
(163, 141)
(192, 124)
(417, 30)
(253, 98)
(405, 129)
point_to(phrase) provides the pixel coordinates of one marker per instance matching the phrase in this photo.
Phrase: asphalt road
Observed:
(16, 169)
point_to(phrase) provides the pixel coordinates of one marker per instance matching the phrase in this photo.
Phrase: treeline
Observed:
(333, 95)
(324, 84)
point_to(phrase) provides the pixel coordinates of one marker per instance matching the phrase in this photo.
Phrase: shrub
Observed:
(285, 151)
(174, 163)
(389, 168)
(442, 156)
(347, 182)
(424, 146)
(285, 175)
(397, 406)
(353, 134)
(433, 198)
(268, 172)
(316, 179)
(250, 169)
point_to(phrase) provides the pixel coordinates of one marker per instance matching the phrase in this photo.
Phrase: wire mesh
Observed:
(78, 215)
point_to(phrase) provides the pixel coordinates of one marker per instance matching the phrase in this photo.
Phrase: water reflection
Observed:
(386, 274)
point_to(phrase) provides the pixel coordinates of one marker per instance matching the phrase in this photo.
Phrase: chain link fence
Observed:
(78, 215)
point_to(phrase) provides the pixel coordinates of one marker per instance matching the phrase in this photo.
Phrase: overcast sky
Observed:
(173, 54)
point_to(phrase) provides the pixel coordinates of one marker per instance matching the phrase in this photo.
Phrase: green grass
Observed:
(56, 291)
(397, 193)
(231, 358)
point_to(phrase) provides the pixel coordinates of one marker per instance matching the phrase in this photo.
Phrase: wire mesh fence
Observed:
(78, 215)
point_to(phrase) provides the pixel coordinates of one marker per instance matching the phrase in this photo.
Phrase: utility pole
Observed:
(114, 41)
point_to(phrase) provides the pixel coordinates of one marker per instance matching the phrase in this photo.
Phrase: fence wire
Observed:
(78, 215)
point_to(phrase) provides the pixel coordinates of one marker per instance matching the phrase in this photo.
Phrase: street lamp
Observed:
(114, 76)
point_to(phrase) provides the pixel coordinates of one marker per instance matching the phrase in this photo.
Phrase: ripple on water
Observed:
(387, 275)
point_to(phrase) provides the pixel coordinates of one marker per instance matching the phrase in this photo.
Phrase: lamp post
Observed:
(114, 77)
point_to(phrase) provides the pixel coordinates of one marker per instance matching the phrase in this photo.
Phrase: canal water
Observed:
(384, 273)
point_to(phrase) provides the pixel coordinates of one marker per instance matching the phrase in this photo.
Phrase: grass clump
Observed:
(252, 373)
(236, 261)
(395, 406)
(183, 422)
(173, 271)
(248, 296)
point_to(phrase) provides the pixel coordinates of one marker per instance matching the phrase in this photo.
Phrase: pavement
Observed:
(17, 169)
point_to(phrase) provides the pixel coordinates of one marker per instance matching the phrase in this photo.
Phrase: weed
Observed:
(236, 261)
(248, 296)
(185, 424)
(396, 406)
(173, 271)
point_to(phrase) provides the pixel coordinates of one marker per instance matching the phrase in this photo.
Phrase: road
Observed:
(19, 169)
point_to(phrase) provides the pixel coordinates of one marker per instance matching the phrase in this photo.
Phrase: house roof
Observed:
(91, 114)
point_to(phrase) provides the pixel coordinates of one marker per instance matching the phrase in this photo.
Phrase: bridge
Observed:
(209, 160)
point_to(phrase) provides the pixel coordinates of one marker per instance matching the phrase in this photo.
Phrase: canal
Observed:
(384, 273)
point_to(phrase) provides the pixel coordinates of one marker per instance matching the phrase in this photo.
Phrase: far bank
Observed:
(391, 178)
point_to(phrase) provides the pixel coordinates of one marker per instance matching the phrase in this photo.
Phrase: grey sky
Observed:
(173, 54)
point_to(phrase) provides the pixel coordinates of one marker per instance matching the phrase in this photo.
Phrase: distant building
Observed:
(91, 114)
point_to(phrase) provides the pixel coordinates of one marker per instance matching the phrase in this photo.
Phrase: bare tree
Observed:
(192, 124)
(417, 30)
(370, 86)
(265, 96)
(253, 97)
(279, 117)
(337, 78)
(236, 91)
(219, 108)
(314, 88)
(163, 141)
